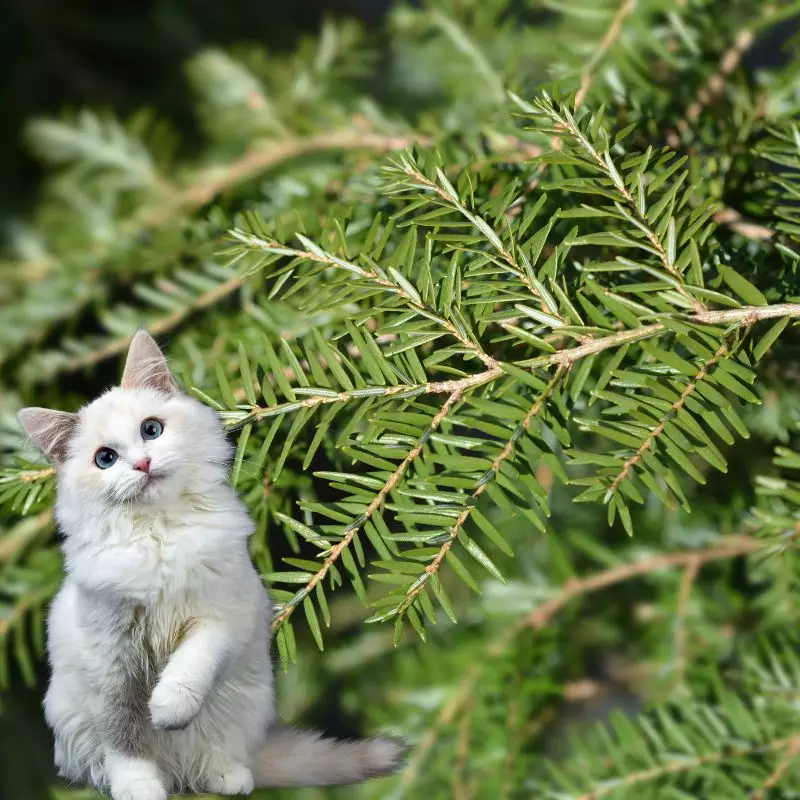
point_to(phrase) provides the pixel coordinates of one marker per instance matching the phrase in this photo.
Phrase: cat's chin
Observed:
(153, 488)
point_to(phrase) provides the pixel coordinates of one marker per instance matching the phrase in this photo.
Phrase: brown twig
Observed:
(461, 788)
(715, 85)
(262, 157)
(608, 40)
(445, 717)
(687, 581)
(727, 548)
(684, 765)
(790, 754)
(159, 326)
(23, 606)
(732, 219)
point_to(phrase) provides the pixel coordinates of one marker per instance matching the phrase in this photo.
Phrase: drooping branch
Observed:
(652, 437)
(351, 530)
(482, 484)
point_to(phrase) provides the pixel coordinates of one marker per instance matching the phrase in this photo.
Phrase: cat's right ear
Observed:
(49, 430)
(146, 367)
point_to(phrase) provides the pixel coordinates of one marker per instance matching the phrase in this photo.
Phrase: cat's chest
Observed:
(170, 557)
(156, 631)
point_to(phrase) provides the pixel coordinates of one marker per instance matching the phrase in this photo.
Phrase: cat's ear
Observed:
(49, 430)
(146, 367)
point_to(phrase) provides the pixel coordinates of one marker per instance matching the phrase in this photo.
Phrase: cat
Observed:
(159, 637)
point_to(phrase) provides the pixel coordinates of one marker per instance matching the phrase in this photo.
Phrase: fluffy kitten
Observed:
(159, 637)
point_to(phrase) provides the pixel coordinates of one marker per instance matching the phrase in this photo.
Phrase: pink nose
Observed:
(143, 465)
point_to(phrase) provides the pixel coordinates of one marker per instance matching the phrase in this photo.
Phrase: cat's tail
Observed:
(297, 758)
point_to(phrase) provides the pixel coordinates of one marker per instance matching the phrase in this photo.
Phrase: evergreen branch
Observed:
(204, 186)
(744, 316)
(481, 486)
(605, 164)
(414, 301)
(633, 460)
(573, 589)
(587, 79)
(352, 529)
(445, 192)
(460, 385)
(686, 764)
(611, 35)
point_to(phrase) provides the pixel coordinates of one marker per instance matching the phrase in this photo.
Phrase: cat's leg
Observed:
(77, 749)
(130, 772)
(190, 674)
(225, 775)
(119, 675)
(239, 714)
(132, 778)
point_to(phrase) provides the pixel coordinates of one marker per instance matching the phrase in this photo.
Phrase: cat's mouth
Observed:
(151, 480)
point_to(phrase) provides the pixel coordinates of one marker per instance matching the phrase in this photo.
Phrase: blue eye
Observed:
(105, 457)
(151, 429)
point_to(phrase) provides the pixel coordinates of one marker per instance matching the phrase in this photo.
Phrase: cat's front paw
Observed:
(228, 778)
(173, 706)
(135, 779)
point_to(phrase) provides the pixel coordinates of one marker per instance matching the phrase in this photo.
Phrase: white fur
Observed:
(159, 637)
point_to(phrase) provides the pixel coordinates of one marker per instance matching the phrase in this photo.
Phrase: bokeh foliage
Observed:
(504, 330)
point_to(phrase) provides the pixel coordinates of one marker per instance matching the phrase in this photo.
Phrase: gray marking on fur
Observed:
(128, 680)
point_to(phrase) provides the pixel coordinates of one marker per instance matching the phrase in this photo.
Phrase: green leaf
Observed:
(742, 287)
(475, 551)
(769, 338)
(313, 623)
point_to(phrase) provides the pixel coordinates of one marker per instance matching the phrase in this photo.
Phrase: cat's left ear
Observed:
(146, 367)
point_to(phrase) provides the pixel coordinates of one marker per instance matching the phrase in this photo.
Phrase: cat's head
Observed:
(141, 442)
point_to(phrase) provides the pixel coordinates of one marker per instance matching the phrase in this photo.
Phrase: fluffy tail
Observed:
(293, 758)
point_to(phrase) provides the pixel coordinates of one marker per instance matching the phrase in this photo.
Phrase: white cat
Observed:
(159, 637)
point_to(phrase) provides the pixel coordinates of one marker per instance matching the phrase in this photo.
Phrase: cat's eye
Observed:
(152, 429)
(105, 457)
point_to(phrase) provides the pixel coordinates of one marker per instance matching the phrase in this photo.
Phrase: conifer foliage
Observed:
(507, 346)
